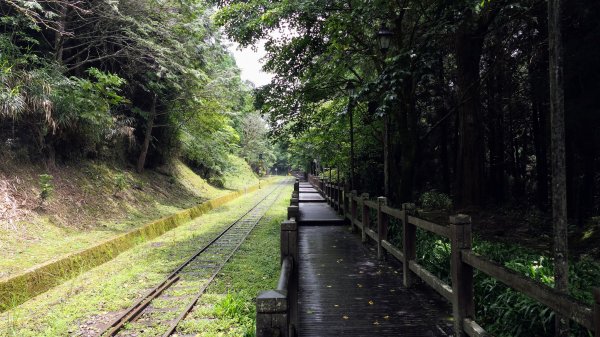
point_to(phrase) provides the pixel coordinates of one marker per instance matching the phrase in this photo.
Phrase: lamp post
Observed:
(384, 38)
(351, 89)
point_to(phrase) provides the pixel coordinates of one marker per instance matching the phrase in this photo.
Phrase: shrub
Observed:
(434, 200)
(46, 186)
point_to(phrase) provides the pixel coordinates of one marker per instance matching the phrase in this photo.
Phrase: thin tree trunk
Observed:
(408, 148)
(386, 155)
(59, 41)
(559, 186)
(470, 174)
(147, 136)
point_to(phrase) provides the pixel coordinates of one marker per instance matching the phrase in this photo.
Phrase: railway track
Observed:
(160, 310)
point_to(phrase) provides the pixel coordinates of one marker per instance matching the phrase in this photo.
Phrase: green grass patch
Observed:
(229, 309)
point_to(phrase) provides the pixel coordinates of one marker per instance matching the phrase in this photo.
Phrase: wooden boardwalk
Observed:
(344, 290)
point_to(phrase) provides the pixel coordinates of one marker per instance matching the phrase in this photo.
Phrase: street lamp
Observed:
(351, 88)
(384, 38)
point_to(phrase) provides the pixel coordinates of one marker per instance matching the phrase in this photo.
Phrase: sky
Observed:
(249, 61)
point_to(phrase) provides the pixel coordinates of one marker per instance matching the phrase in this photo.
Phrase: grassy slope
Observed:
(87, 206)
(75, 307)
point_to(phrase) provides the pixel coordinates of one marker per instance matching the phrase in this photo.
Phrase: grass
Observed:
(92, 203)
(228, 309)
(78, 305)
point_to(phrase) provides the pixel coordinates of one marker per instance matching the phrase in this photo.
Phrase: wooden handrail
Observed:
(286, 271)
(463, 263)
(550, 297)
(277, 310)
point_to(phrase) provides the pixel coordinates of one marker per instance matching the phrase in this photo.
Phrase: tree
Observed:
(559, 183)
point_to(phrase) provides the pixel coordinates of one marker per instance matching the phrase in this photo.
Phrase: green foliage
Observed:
(434, 200)
(120, 181)
(501, 310)
(236, 306)
(46, 186)
(89, 93)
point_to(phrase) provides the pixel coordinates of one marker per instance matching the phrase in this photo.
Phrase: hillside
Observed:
(90, 202)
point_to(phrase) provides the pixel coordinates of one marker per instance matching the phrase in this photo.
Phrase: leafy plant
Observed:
(434, 200)
(46, 186)
(120, 182)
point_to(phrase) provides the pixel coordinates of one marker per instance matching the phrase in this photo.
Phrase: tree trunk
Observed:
(442, 111)
(59, 40)
(496, 131)
(559, 188)
(386, 155)
(147, 136)
(407, 121)
(470, 174)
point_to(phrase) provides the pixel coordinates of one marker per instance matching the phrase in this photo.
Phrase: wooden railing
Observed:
(463, 261)
(277, 310)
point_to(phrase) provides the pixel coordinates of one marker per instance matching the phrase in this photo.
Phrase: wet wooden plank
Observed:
(319, 214)
(346, 291)
(311, 197)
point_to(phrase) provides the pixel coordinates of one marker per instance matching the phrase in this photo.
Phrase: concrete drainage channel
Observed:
(17, 289)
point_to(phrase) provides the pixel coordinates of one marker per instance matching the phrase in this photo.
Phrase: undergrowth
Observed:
(500, 310)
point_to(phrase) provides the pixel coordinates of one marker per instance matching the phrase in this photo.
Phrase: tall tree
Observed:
(559, 181)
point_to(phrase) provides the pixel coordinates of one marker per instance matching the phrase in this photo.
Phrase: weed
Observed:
(46, 186)
(434, 200)
(120, 182)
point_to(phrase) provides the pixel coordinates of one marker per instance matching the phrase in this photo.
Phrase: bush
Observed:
(500, 310)
(434, 200)
(46, 186)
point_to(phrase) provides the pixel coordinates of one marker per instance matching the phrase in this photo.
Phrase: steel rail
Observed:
(135, 310)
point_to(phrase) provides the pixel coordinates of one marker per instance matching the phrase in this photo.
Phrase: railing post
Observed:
(297, 186)
(382, 226)
(596, 312)
(334, 196)
(462, 274)
(365, 216)
(346, 200)
(293, 212)
(271, 314)
(289, 248)
(352, 209)
(409, 244)
(340, 197)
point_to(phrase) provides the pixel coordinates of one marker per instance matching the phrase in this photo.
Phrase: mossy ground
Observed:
(79, 305)
(91, 203)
